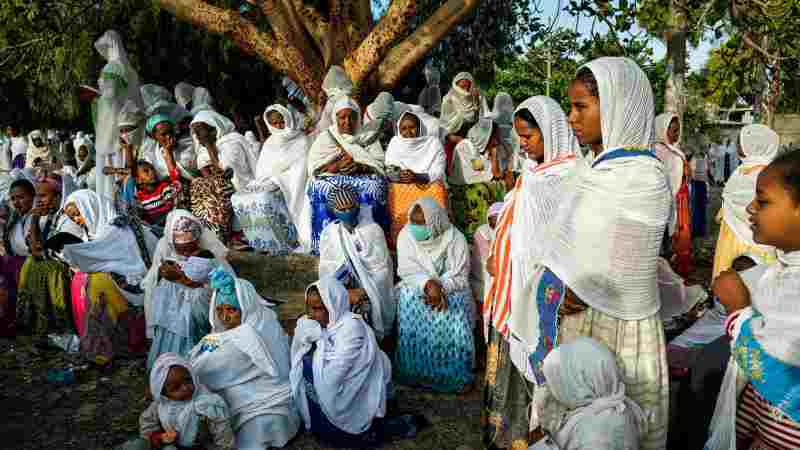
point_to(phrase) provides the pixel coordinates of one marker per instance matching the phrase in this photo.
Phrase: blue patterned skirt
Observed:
(371, 190)
(435, 349)
(262, 215)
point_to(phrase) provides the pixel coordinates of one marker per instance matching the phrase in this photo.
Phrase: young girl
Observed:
(764, 325)
(184, 413)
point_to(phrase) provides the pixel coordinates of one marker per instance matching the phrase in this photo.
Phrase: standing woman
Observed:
(759, 146)
(416, 157)
(668, 137)
(475, 180)
(85, 155)
(612, 277)
(503, 115)
(511, 311)
(462, 107)
(698, 163)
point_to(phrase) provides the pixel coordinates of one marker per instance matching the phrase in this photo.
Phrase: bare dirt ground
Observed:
(101, 409)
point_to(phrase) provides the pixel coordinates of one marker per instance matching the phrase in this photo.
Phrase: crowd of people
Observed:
(549, 249)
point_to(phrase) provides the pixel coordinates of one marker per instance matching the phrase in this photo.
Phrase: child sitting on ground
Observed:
(764, 325)
(184, 413)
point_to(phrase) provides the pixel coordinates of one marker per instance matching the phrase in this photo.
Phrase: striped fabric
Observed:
(766, 427)
(497, 304)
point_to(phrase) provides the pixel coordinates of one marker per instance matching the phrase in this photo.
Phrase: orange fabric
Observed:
(682, 239)
(497, 304)
(403, 195)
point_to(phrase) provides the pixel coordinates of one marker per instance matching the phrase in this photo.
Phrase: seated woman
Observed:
(477, 178)
(353, 250)
(177, 298)
(18, 224)
(43, 295)
(340, 377)
(183, 413)
(589, 408)
(337, 158)
(462, 107)
(269, 208)
(415, 161)
(85, 154)
(112, 261)
(246, 361)
(435, 310)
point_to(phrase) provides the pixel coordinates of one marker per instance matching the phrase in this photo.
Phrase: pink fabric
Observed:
(80, 303)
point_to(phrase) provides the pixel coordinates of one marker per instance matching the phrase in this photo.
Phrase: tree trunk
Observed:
(675, 38)
(303, 43)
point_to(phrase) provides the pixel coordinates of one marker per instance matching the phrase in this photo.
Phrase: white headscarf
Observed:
(283, 148)
(201, 100)
(471, 162)
(234, 150)
(760, 146)
(612, 216)
(535, 206)
(350, 372)
(184, 92)
(183, 417)
(423, 154)
(336, 85)
(157, 99)
(670, 153)
(431, 96)
(89, 158)
(35, 152)
(118, 83)
(443, 257)
(329, 144)
(131, 116)
(460, 106)
(584, 378)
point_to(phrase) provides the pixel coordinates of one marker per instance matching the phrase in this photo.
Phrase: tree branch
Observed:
(404, 56)
(362, 62)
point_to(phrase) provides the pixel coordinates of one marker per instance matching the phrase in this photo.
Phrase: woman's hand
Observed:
(508, 180)
(731, 291)
(356, 296)
(454, 138)
(346, 165)
(490, 266)
(434, 295)
(169, 436)
(572, 304)
(170, 271)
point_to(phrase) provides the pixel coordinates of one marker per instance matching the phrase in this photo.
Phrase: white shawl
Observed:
(351, 372)
(423, 154)
(670, 155)
(583, 377)
(34, 152)
(612, 216)
(444, 257)
(535, 205)
(365, 251)
(184, 93)
(460, 106)
(234, 150)
(157, 99)
(19, 146)
(336, 86)
(760, 146)
(471, 162)
(330, 144)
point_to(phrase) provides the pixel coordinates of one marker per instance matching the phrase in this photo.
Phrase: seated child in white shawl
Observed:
(591, 410)
(184, 413)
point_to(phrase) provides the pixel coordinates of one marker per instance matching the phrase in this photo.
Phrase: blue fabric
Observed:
(372, 192)
(623, 153)
(776, 381)
(549, 296)
(264, 218)
(225, 285)
(347, 217)
(435, 349)
(699, 198)
(166, 341)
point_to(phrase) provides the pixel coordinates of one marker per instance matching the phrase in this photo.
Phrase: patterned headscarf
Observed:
(223, 282)
(341, 196)
(186, 230)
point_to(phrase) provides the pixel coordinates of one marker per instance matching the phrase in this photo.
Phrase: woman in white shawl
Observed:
(415, 163)
(112, 262)
(759, 145)
(283, 161)
(246, 360)
(183, 411)
(513, 325)
(338, 158)
(340, 377)
(19, 148)
(503, 115)
(668, 138)
(184, 94)
(462, 107)
(268, 209)
(430, 97)
(176, 294)
(118, 83)
(85, 156)
(353, 250)
(623, 193)
(335, 86)
(477, 177)
(585, 404)
(38, 150)
(435, 309)
(201, 101)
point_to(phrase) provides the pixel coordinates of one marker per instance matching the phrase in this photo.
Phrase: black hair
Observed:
(742, 263)
(275, 111)
(586, 77)
(313, 290)
(526, 115)
(24, 184)
(143, 162)
(789, 165)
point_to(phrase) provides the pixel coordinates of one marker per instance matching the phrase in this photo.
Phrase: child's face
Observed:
(179, 385)
(74, 214)
(774, 213)
(146, 174)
